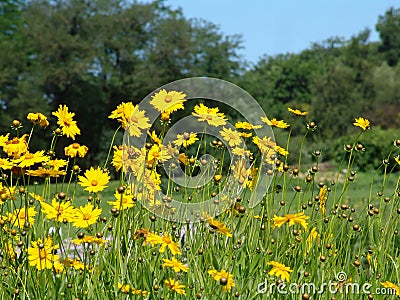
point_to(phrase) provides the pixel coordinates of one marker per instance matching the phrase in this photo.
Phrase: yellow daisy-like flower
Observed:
(73, 263)
(168, 102)
(9, 251)
(362, 123)
(176, 265)
(131, 118)
(158, 154)
(396, 158)
(153, 136)
(292, 219)
(165, 241)
(246, 126)
(322, 199)
(280, 270)
(231, 136)
(265, 144)
(390, 285)
(56, 164)
(117, 158)
(89, 239)
(5, 164)
(311, 237)
(297, 112)
(186, 139)
(275, 123)
(16, 147)
(224, 278)
(85, 216)
(281, 151)
(4, 139)
(6, 193)
(95, 180)
(22, 216)
(75, 150)
(38, 118)
(29, 159)
(126, 289)
(219, 226)
(45, 172)
(41, 254)
(59, 211)
(175, 286)
(123, 200)
(65, 120)
(210, 115)
(241, 152)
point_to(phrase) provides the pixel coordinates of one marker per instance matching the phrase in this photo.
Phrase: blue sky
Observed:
(281, 26)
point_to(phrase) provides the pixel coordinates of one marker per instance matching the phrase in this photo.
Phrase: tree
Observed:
(388, 27)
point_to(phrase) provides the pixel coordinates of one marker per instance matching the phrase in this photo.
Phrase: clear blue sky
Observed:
(280, 26)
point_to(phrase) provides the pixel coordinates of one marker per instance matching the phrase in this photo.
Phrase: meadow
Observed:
(217, 213)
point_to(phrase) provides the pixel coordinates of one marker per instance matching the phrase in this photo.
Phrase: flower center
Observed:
(75, 145)
(134, 119)
(209, 117)
(94, 182)
(87, 216)
(168, 99)
(29, 156)
(156, 154)
(42, 253)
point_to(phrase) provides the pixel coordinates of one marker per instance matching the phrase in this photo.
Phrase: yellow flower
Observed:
(22, 216)
(71, 263)
(396, 158)
(158, 154)
(231, 136)
(154, 137)
(41, 254)
(45, 172)
(16, 147)
(280, 270)
(219, 226)
(186, 139)
(175, 286)
(89, 240)
(123, 200)
(241, 152)
(265, 144)
(60, 211)
(38, 118)
(6, 193)
(76, 149)
(362, 123)
(275, 123)
(126, 288)
(246, 126)
(131, 118)
(322, 199)
(9, 251)
(4, 139)
(224, 278)
(175, 265)
(390, 285)
(165, 241)
(65, 120)
(299, 218)
(281, 151)
(56, 164)
(210, 115)
(117, 158)
(95, 180)
(85, 216)
(5, 164)
(168, 102)
(311, 237)
(297, 112)
(29, 159)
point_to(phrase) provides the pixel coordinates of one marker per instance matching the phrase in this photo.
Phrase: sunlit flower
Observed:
(153, 136)
(246, 126)
(275, 123)
(117, 158)
(4, 139)
(231, 136)
(29, 159)
(9, 251)
(65, 120)
(95, 180)
(219, 226)
(292, 219)
(6, 193)
(158, 154)
(224, 278)
(85, 216)
(176, 265)
(186, 139)
(297, 112)
(16, 147)
(45, 172)
(131, 118)
(390, 285)
(362, 123)
(22, 216)
(210, 115)
(127, 289)
(165, 241)
(73, 263)
(76, 149)
(123, 200)
(56, 164)
(281, 150)
(265, 144)
(59, 211)
(168, 102)
(322, 199)
(280, 270)
(41, 254)
(241, 152)
(5, 164)
(396, 158)
(175, 286)
(311, 237)
(38, 118)
(89, 239)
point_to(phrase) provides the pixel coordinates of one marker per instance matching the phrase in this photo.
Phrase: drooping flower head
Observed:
(75, 150)
(38, 118)
(68, 126)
